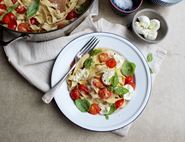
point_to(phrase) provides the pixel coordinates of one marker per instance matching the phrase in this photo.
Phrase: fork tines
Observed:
(89, 45)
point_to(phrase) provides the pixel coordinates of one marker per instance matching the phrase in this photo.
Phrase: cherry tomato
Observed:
(9, 18)
(75, 94)
(20, 9)
(14, 1)
(104, 93)
(83, 88)
(34, 21)
(111, 63)
(98, 83)
(23, 27)
(132, 84)
(103, 57)
(129, 79)
(3, 6)
(71, 15)
(119, 103)
(12, 25)
(94, 109)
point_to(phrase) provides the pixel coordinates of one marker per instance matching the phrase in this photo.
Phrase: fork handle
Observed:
(48, 96)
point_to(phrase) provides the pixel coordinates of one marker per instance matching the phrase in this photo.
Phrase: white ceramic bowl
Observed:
(120, 118)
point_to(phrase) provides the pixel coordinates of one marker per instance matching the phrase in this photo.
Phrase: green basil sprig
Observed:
(128, 68)
(80, 9)
(33, 8)
(120, 90)
(150, 57)
(88, 62)
(82, 104)
(95, 52)
(112, 109)
(114, 80)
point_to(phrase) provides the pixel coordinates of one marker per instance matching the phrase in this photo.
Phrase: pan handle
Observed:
(5, 43)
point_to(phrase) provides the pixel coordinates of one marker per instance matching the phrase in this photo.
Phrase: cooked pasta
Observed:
(40, 15)
(102, 82)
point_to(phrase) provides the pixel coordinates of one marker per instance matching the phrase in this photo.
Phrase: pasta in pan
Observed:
(40, 15)
(102, 82)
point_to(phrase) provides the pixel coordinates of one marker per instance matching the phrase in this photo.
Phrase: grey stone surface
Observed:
(24, 118)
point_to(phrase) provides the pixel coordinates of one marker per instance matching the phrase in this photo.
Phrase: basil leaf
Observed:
(33, 8)
(128, 68)
(83, 105)
(149, 57)
(10, 9)
(111, 88)
(80, 9)
(112, 109)
(114, 80)
(88, 62)
(95, 52)
(120, 90)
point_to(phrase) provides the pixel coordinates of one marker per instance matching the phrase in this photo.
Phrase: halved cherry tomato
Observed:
(71, 15)
(94, 109)
(119, 103)
(34, 21)
(132, 84)
(23, 27)
(14, 1)
(75, 94)
(20, 9)
(83, 88)
(104, 93)
(9, 18)
(111, 63)
(97, 83)
(12, 25)
(129, 79)
(103, 57)
(3, 6)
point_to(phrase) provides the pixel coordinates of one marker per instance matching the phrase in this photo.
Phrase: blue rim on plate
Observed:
(61, 103)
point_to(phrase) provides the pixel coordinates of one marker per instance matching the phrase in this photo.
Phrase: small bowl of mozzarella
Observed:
(149, 26)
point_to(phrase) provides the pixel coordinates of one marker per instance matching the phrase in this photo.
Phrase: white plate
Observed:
(120, 118)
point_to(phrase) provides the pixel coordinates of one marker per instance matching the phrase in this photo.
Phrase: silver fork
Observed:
(91, 44)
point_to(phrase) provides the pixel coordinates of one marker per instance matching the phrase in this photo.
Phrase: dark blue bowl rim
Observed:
(123, 11)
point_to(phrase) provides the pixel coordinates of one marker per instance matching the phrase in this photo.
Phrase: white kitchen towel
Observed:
(34, 60)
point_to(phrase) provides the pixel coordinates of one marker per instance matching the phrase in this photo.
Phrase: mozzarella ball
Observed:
(154, 25)
(144, 21)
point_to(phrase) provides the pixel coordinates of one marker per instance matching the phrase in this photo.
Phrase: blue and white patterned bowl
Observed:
(165, 2)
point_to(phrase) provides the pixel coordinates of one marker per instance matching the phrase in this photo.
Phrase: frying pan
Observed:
(48, 35)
